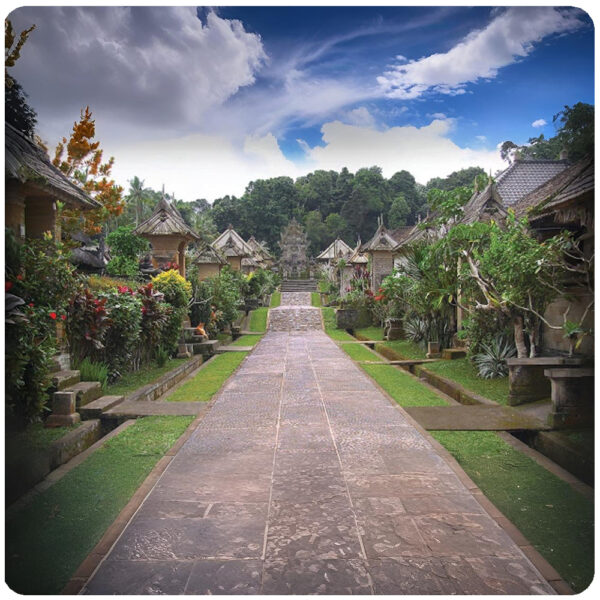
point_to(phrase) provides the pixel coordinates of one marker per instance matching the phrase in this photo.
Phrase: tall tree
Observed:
(12, 50)
(138, 197)
(83, 165)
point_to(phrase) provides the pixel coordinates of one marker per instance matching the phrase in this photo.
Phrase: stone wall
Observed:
(382, 265)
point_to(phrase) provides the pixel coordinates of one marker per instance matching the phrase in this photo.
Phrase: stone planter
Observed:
(572, 397)
(352, 318)
(393, 329)
(526, 379)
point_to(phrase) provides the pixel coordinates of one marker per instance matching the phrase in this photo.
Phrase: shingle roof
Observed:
(569, 184)
(524, 176)
(486, 203)
(337, 249)
(28, 163)
(230, 243)
(166, 220)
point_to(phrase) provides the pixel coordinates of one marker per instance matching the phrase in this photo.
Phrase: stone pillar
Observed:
(572, 397)
(433, 350)
(63, 410)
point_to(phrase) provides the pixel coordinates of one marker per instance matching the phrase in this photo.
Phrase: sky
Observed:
(205, 100)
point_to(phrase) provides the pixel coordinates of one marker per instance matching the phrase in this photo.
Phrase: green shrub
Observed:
(126, 248)
(123, 266)
(94, 371)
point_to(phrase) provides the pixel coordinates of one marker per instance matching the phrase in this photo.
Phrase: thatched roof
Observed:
(165, 220)
(230, 243)
(207, 255)
(571, 185)
(336, 250)
(250, 262)
(358, 257)
(259, 248)
(26, 162)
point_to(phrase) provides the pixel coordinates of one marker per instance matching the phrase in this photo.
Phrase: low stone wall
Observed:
(29, 468)
(451, 388)
(152, 391)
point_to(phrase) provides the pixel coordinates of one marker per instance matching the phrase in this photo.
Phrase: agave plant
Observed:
(415, 328)
(492, 361)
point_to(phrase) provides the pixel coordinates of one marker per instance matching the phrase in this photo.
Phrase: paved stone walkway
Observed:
(303, 478)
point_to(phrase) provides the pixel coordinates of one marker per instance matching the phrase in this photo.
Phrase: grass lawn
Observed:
(464, 372)
(556, 519)
(34, 437)
(247, 340)
(331, 328)
(403, 388)
(275, 300)
(209, 379)
(359, 352)
(315, 299)
(258, 319)
(49, 538)
(130, 382)
(370, 333)
(406, 349)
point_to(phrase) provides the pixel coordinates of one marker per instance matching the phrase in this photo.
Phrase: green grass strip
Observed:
(34, 437)
(406, 349)
(359, 352)
(209, 379)
(331, 327)
(49, 538)
(464, 372)
(258, 319)
(370, 333)
(315, 299)
(275, 300)
(130, 382)
(404, 389)
(555, 518)
(247, 340)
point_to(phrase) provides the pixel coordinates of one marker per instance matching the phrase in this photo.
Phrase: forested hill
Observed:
(330, 204)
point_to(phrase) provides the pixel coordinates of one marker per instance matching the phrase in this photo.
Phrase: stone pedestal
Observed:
(453, 353)
(63, 410)
(526, 379)
(433, 350)
(393, 330)
(572, 392)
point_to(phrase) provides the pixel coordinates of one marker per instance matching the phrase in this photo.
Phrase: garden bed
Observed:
(81, 506)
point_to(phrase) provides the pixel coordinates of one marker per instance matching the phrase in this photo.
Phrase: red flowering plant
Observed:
(87, 323)
(359, 295)
(154, 313)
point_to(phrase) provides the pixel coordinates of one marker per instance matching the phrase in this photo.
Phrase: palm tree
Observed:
(138, 196)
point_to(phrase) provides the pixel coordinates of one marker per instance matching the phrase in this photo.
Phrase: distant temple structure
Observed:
(294, 251)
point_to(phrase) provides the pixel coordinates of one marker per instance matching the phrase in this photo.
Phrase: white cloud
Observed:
(425, 152)
(481, 138)
(539, 123)
(437, 115)
(360, 116)
(201, 166)
(509, 37)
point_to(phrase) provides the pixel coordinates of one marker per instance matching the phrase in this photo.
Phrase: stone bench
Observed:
(572, 393)
(526, 379)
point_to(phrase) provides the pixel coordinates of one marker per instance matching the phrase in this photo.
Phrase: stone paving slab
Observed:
(304, 479)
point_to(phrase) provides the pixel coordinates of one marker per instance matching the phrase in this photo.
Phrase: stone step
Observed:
(94, 409)
(64, 379)
(60, 362)
(86, 392)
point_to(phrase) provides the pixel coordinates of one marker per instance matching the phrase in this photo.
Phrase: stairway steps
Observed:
(85, 391)
(65, 378)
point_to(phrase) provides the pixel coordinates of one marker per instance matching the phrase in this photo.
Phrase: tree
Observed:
(83, 165)
(316, 232)
(18, 112)
(404, 183)
(399, 212)
(575, 135)
(137, 197)
(336, 226)
(12, 51)
(461, 178)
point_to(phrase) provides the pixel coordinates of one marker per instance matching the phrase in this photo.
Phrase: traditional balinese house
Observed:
(250, 264)
(209, 262)
(33, 188)
(260, 253)
(330, 258)
(380, 251)
(566, 202)
(356, 260)
(233, 247)
(168, 235)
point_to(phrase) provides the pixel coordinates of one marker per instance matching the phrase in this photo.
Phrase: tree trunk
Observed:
(519, 337)
(533, 342)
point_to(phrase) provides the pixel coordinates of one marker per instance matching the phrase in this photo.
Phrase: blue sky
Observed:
(206, 100)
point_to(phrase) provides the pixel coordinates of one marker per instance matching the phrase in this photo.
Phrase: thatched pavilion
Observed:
(168, 235)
